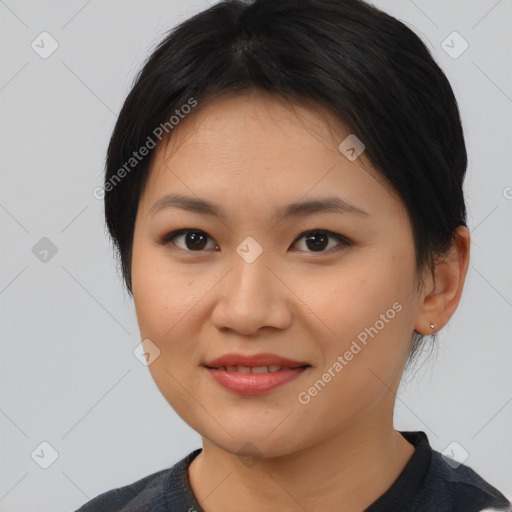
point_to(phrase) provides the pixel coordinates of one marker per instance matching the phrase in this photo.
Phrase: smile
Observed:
(254, 380)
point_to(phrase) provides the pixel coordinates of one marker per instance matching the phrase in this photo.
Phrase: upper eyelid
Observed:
(168, 238)
(327, 231)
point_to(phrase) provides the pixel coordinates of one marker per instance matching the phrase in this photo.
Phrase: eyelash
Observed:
(344, 242)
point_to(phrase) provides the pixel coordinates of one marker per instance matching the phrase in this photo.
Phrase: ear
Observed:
(444, 287)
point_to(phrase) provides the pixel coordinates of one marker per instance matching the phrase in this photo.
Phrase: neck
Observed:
(352, 468)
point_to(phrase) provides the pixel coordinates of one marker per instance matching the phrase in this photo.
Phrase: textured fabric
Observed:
(426, 484)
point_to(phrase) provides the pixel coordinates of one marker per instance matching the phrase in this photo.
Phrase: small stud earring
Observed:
(432, 326)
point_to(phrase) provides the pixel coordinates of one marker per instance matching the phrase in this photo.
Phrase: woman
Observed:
(284, 188)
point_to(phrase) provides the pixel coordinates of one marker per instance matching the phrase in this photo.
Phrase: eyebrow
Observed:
(331, 204)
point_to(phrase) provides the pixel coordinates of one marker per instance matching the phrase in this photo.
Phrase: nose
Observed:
(252, 296)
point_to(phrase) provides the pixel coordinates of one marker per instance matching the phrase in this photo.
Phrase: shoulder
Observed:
(143, 492)
(463, 488)
(153, 493)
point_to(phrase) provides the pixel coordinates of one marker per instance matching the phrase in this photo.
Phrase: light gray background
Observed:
(68, 373)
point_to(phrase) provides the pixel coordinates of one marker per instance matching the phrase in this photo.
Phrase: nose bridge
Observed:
(250, 273)
(250, 296)
(250, 276)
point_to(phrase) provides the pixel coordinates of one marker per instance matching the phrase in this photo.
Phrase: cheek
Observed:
(368, 312)
(164, 298)
(163, 294)
(366, 345)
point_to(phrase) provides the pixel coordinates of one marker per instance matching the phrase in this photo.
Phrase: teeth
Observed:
(260, 369)
(252, 369)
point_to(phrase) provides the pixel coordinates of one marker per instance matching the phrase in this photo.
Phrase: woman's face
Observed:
(250, 280)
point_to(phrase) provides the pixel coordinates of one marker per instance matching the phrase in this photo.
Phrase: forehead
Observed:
(258, 145)
(254, 124)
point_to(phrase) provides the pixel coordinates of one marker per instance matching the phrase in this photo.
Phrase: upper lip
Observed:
(254, 360)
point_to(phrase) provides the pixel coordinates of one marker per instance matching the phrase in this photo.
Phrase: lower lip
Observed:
(254, 383)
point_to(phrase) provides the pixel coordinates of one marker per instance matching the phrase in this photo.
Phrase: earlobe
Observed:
(443, 296)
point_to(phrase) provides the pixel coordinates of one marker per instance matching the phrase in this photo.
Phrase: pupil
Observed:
(197, 240)
(317, 245)
(315, 241)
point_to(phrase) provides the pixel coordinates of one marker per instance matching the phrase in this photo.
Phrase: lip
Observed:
(255, 383)
(254, 360)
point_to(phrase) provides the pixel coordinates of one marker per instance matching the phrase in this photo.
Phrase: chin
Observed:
(250, 452)
(254, 442)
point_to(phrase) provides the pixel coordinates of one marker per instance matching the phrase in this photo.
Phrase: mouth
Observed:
(254, 380)
(255, 363)
(273, 368)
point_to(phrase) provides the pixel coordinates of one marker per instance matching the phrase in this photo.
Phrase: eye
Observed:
(193, 240)
(318, 240)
